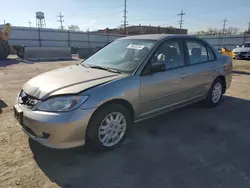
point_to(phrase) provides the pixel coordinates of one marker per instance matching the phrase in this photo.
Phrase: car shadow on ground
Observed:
(189, 147)
(12, 61)
(241, 72)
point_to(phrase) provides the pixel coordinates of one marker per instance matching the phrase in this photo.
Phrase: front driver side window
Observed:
(170, 53)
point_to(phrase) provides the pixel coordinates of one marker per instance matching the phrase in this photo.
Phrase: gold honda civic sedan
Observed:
(129, 80)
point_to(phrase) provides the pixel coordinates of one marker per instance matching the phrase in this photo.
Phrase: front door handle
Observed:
(183, 76)
(214, 68)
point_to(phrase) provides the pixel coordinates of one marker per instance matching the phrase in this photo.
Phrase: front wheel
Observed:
(108, 127)
(215, 93)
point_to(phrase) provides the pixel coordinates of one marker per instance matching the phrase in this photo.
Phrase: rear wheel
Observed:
(215, 93)
(108, 127)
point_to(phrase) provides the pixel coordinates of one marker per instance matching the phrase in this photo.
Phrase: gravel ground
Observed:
(192, 147)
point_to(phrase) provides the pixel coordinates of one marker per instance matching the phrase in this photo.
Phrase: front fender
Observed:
(127, 88)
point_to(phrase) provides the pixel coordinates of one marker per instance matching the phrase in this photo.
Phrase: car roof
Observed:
(156, 36)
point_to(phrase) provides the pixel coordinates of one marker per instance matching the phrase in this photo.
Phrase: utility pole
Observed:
(29, 23)
(125, 23)
(248, 26)
(60, 20)
(181, 21)
(4, 22)
(224, 26)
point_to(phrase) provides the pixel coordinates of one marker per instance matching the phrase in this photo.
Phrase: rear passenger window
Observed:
(170, 53)
(197, 52)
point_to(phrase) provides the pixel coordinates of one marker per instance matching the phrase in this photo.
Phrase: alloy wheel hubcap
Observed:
(112, 129)
(217, 91)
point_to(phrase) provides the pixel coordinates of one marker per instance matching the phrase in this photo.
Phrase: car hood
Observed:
(241, 49)
(67, 80)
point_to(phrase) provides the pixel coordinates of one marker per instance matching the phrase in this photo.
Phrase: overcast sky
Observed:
(99, 14)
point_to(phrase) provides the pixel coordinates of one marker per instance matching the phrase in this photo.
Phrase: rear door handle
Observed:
(183, 76)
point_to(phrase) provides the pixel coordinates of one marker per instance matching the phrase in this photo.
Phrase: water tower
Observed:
(40, 20)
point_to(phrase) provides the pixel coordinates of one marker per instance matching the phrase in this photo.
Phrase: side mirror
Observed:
(154, 67)
(237, 46)
(158, 67)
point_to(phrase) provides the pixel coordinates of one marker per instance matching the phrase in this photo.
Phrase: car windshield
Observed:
(247, 45)
(124, 55)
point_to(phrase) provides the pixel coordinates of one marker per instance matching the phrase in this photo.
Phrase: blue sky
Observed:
(99, 14)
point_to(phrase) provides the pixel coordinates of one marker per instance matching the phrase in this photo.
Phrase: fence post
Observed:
(39, 38)
(219, 44)
(68, 38)
(88, 38)
(244, 38)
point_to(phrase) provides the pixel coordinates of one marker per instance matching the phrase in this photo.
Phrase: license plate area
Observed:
(18, 114)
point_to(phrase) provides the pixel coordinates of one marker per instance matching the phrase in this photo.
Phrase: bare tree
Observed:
(232, 31)
(171, 29)
(74, 28)
(214, 31)
(209, 31)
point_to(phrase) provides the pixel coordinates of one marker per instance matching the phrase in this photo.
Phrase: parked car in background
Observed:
(129, 80)
(242, 51)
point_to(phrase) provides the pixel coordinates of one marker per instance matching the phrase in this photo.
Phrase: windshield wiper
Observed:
(84, 65)
(114, 70)
(103, 68)
(98, 67)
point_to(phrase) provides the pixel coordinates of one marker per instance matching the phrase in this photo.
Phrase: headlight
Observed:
(62, 104)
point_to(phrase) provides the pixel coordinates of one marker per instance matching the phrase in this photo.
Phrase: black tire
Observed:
(209, 102)
(5, 50)
(92, 139)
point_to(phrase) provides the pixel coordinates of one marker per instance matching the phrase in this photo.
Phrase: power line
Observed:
(29, 23)
(125, 22)
(224, 26)
(181, 21)
(61, 20)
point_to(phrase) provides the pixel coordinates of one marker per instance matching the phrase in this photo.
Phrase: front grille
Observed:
(26, 100)
(243, 52)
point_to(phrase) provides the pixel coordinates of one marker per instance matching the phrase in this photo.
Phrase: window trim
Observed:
(202, 43)
(215, 58)
(181, 45)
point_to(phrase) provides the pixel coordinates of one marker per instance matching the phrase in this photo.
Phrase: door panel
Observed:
(202, 67)
(163, 89)
(200, 78)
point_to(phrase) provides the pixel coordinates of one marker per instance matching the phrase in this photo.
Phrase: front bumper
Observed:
(56, 129)
(241, 55)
